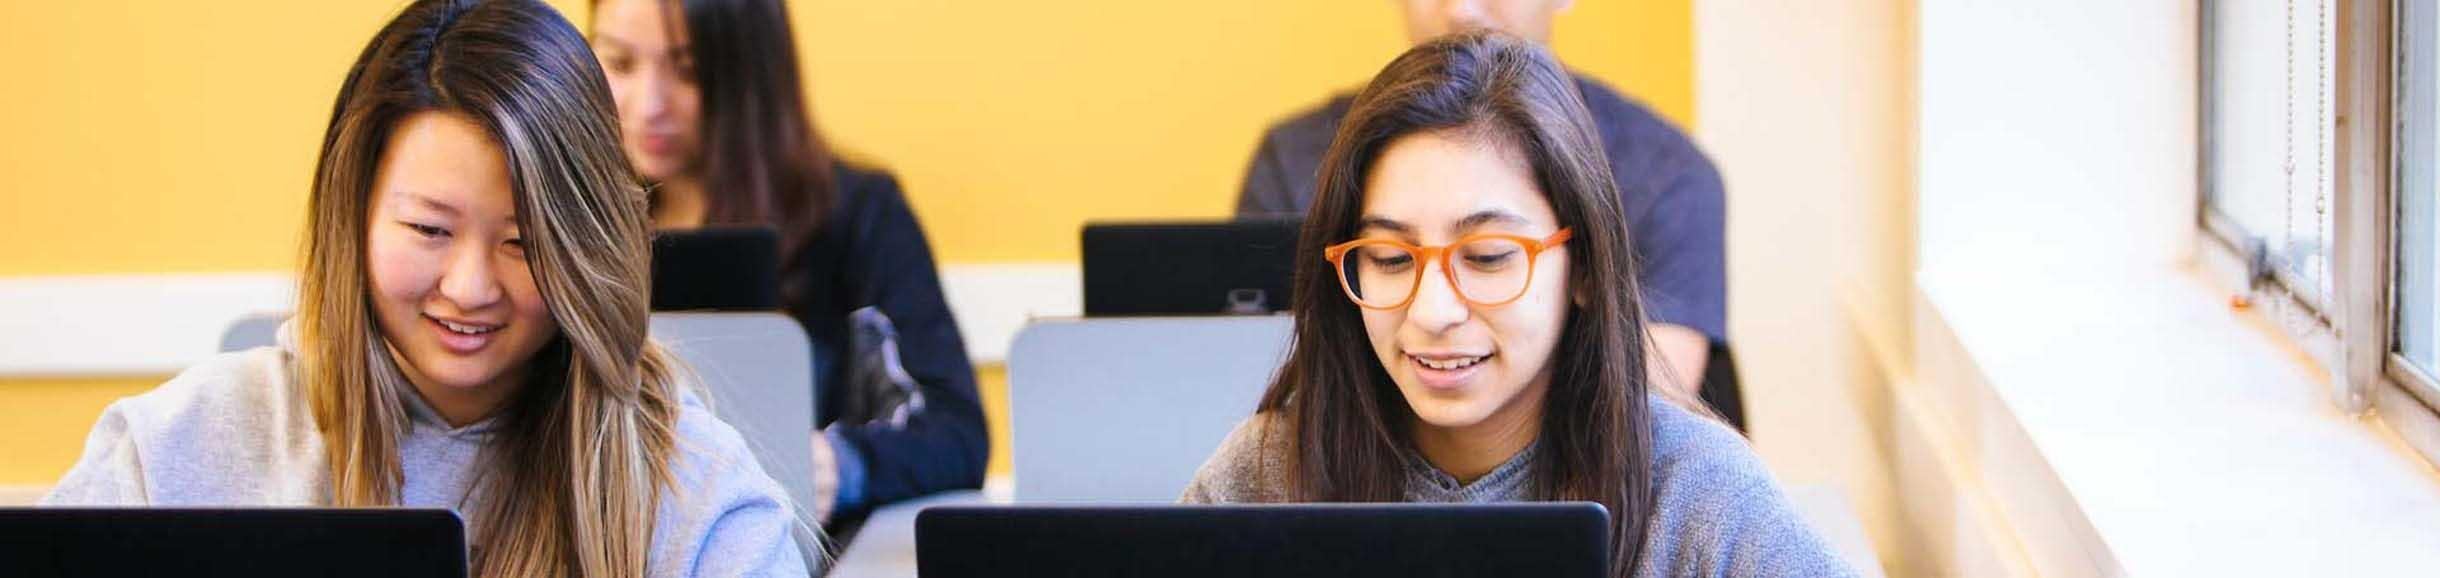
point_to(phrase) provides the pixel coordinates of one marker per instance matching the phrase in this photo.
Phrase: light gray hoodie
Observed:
(237, 430)
(1719, 512)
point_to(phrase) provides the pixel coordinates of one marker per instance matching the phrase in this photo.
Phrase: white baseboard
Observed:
(22, 495)
(158, 324)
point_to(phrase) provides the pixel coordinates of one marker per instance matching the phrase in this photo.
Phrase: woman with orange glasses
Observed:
(1475, 337)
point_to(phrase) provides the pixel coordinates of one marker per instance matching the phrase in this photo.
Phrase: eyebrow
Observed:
(1486, 217)
(1383, 223)
(445, 209)
(1469, 223)
(604, 38)
(613, 41)
(428, 203)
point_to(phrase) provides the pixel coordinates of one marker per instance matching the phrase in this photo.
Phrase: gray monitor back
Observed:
(1125, 409)
(757, 370)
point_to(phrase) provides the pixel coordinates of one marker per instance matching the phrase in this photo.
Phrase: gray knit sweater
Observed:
(235, 430)
(1719, 512)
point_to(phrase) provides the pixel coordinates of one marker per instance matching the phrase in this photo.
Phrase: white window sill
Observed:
(2132, 423)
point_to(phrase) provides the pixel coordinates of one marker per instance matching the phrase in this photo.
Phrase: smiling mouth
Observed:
(659, 144)
(1449, 363)
(464, 328)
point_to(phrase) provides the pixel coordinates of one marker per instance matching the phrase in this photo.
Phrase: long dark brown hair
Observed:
(583, 451)
(1347, 420)
(762, 164)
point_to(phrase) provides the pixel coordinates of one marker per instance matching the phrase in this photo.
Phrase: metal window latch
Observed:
(2257, 271)
(2258, 266)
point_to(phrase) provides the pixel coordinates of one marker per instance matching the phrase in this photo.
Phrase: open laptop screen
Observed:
(1188, 268)
(269, 542)
(1562, 539)
(716, 269)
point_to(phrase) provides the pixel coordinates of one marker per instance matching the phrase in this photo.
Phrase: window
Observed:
(2414, 352)
(2267, 117)
(2320, 180)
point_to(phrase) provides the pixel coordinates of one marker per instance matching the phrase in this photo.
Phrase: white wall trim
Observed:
(158, 324)
(993, 301)
(22, 495)
(126, 325)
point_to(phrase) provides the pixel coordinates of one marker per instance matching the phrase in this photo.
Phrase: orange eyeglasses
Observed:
(1386, 274)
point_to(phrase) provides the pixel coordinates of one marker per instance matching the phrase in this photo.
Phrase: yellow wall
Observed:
(43, 423)
(1012, 123)
(179, 136)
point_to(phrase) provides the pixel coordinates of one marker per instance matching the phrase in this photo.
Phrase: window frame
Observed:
(2353, 331)
(2379, 376)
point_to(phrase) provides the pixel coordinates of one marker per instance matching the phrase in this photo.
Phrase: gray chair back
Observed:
(252, 331)
(1126, 409)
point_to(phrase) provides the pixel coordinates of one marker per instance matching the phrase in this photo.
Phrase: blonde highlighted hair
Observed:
(581, 455)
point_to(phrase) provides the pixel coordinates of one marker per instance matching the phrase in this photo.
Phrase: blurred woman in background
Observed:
(713, 112)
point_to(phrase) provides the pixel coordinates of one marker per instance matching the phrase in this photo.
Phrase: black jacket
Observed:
(871, 252)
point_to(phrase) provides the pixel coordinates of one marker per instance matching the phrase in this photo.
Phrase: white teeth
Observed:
(465, 329)
(1449, 364)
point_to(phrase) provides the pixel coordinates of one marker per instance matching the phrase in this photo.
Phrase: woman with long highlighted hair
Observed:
(470, 333)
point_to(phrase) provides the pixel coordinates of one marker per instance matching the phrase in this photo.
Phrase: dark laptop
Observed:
(716, 269)
(267, 542)
(1188, 268)
(1561, 539)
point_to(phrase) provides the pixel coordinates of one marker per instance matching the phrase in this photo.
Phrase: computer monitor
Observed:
(267, 542)
(1561, 539)
(716, 269)
(1188, 268)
